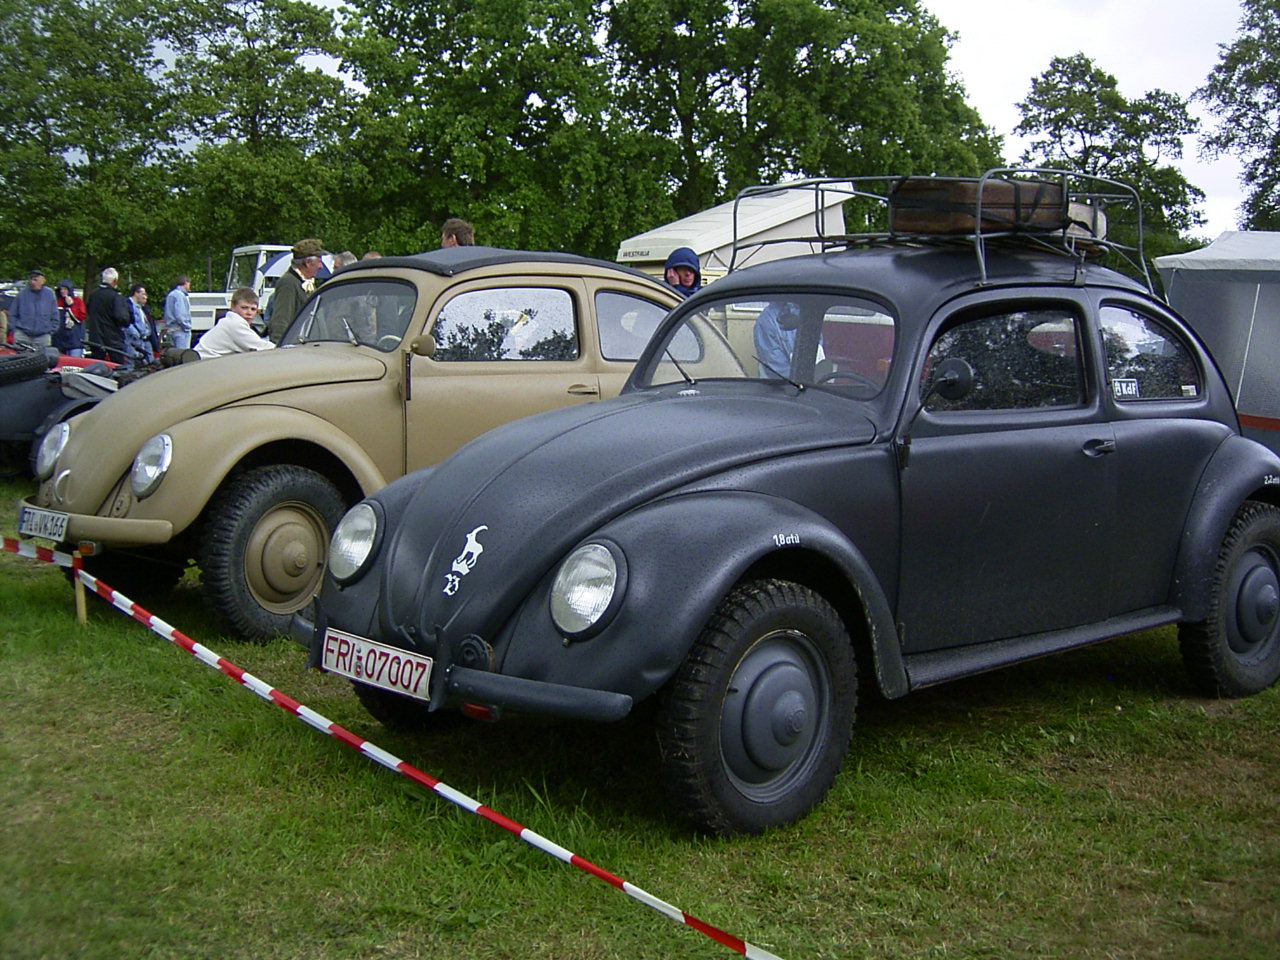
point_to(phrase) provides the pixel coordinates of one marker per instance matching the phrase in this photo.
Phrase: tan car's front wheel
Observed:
(263, 547)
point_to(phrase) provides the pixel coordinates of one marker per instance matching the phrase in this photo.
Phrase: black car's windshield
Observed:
(372, 312)
(812, 339)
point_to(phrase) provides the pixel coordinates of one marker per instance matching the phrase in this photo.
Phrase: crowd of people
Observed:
(110, 325)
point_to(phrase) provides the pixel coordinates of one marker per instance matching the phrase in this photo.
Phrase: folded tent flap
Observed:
(934, 205)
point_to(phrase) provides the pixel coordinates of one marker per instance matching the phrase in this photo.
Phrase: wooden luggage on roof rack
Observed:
(950, 206)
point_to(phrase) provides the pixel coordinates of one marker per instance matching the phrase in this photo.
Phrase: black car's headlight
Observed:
(150, 465)
(354, 542)
(50, 449)
(588, 589)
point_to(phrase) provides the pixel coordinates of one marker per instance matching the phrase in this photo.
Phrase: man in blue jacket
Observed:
(33, 316)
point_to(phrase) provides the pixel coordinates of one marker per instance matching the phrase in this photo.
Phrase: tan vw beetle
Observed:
(245, 463)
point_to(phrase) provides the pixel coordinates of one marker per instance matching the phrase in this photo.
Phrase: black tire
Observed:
(264, 545)
(1235, 652)
(398, 712)
(754, 725)
(137, 577)
(22, 366)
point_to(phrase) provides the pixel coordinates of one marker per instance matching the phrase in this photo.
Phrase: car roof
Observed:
(450, 261)
(901, 272)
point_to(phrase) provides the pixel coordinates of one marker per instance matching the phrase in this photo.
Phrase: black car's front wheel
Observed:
(754, 725)
(1235, 651)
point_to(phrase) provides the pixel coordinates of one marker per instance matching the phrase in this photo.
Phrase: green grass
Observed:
(1087, 806)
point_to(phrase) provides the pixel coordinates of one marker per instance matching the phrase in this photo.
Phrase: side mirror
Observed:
(952, 380)
(423, 345)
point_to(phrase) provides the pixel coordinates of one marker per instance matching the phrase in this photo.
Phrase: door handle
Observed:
(1099, 448)
(584, 390)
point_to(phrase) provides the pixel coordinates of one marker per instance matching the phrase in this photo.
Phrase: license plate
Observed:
(35, 522)
(377, 664)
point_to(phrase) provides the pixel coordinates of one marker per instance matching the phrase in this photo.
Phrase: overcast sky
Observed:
(1145, 45)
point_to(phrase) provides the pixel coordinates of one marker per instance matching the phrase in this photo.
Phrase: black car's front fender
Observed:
(683, 555)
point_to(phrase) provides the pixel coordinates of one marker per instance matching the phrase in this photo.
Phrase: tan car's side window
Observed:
(626, 323)
(508, 323)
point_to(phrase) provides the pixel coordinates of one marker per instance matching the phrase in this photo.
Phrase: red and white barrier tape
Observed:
(376, 753)
(25, 548)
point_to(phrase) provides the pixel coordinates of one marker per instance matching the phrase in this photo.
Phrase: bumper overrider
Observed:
(454, 683)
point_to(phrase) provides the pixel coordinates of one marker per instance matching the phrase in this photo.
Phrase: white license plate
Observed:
(377, 664)
(35, 522)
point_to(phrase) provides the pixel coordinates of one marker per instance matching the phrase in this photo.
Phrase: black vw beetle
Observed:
(903, 460)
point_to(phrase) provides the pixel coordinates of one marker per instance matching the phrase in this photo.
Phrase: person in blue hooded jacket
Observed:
(682, 271)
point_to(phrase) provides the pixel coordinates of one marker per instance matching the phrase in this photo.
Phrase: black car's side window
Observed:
(626, 323)
(508, 323)
(1019, 359)
(1145, 359)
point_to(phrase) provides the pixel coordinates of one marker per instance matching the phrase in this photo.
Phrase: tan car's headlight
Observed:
(50, 449)
(150, 465)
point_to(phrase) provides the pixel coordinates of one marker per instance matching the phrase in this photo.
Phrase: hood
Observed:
(684, 257)
(105, 439)
(534, 488)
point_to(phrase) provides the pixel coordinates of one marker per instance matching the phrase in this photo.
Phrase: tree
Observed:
(739, 92)
(82, 166)
(1243, 91)
(495, 111)
(256, 120)
(1083, 123)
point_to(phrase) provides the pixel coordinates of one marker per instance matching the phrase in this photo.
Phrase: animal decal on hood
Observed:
(465, 562)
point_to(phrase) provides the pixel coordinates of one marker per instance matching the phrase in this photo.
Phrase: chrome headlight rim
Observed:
(151, 465)
(373, 544)
(619, 588)
(51, 447)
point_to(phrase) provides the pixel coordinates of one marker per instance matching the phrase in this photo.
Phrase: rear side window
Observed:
(508, 323)
(1023, 359)
(1146, 360)
(626, 323)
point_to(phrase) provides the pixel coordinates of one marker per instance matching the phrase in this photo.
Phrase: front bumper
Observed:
(114, 531)
(455, 684)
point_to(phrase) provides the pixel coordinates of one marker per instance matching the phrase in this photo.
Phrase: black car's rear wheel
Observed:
(264, 546)
(754, 725)
(1235, 651)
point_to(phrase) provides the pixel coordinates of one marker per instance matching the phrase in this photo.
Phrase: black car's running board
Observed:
(928, 669)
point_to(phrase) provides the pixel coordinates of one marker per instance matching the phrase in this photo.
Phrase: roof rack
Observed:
(1049, 209)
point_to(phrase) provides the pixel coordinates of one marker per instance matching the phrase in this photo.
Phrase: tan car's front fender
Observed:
(205, 450)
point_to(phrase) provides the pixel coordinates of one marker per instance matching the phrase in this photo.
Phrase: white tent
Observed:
(1230, 292)
(710, 233)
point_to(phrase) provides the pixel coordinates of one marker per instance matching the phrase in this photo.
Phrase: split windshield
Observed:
(370, 312)
(814, 339)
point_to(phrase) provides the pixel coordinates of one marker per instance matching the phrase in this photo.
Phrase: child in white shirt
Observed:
(232, 333)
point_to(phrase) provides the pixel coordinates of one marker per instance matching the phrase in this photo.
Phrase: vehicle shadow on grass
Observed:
(1143, 668)
(611, 772)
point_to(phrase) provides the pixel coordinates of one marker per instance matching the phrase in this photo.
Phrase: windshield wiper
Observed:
(687, 379)
(781, 376)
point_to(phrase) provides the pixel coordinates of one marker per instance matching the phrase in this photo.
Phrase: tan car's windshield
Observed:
(811, 339)
(370, 312)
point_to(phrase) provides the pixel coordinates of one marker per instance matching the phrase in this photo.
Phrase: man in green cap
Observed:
(294, 287)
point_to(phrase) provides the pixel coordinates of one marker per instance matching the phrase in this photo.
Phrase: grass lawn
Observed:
(1086, 806)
